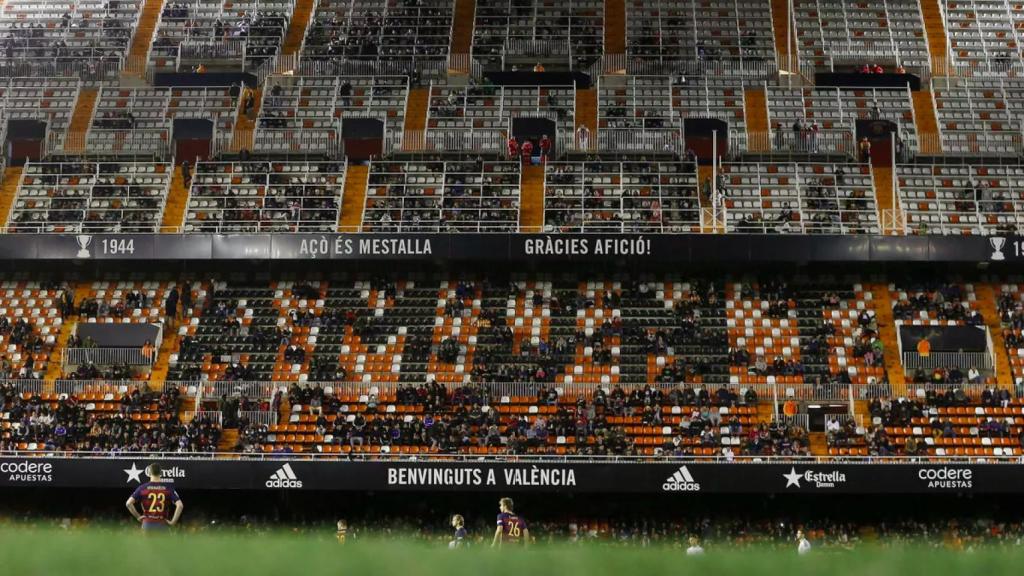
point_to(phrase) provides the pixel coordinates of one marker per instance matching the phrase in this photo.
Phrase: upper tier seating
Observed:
(265, 197)
(91, 197)
(442, 197)
(308, 111)
(87, 39)
(962, 199)
(844, 33)
(370, 36)
(981, 117)
(556, 34)
(621, 197)
(799, 199)
(736, 34)
(217, 33)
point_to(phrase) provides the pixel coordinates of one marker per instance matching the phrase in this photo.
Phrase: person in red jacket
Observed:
(545, 149)
(513, 147)
(527, 149)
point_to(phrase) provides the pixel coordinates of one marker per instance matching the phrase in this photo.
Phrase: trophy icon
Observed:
(997, 243)
(84, 240)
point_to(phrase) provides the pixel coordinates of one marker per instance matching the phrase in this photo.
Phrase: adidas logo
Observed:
(284, 478)
(681, 481)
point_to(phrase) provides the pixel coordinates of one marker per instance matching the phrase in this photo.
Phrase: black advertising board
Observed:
(684, 478)
(653, 248)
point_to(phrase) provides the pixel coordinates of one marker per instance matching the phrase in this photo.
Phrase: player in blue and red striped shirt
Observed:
(156, 497)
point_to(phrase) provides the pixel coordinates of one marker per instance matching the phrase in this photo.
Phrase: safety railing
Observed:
(963, 361)
(107, 356)
(91, 71)
(259, 417)
(207, 416)
(641, 141)
(298, 142)
(474, 140)
(797, 420)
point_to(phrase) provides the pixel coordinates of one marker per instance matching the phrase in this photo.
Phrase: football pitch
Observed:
(110, 552)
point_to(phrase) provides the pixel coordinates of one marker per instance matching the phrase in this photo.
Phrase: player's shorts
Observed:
(154, 526)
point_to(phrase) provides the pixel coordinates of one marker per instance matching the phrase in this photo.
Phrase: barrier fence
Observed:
(107, 356)
(944, 360)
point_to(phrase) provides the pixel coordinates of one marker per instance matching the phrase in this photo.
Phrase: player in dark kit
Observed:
(511, 527)
(156, 498)
(459, 524)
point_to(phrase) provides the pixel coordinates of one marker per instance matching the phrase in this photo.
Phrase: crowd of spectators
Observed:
(468, 416)
(74, 425)
(904, 412)
(941, 301)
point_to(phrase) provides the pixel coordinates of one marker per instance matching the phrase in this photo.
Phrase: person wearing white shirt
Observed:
(803, 544)
(695, 548)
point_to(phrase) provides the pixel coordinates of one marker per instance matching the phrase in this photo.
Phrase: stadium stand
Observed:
(979, 199)
(442, 196)
(88, 40)
(842, 34)
(83, 196)
(824, 119)
(49, 100)
(621, 197)
(799, 198)
(104, 418)
(307, 112)
(363, 36)
(692, 36)
(511, 33)
(359, 355)
(219, 34)
(478, 118)
(264, 197)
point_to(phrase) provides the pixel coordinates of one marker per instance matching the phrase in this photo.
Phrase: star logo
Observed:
(793, 478)
(134, 474)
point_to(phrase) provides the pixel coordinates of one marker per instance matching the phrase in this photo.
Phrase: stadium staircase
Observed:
(887, 332)
(586, 112)
(462, 36)
(138, 54)
(177, 200)
(414, 137)
(780, 23)
(245, 124)
(285, 411)
(81, 120)
(228, 440)
(297, 27)
(531, 201)
(927, 123)
(883, 197)
(707, 223)
(987, 296)
(615, 28)
(55, 367)
(755, 110)
(9, 189)
(158, 375)
(931, 11)
(818, 444)
(354, 199)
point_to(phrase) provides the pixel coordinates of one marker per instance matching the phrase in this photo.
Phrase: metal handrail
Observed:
(520, 459)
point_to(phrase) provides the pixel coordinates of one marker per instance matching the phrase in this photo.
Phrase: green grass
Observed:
(112, 552)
